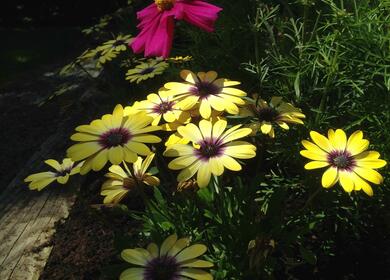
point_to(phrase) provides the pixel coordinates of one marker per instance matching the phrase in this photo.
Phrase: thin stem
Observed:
(311, 198)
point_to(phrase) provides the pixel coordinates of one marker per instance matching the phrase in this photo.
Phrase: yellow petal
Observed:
(210, 76)
(83, 150)
(178, 246)
(205, 128)
(153, 250)
(361, 184)
(168, 244)
(115, 155)
(189, 76)
(196, 274)
(314, 156)
(191, 132)
(314, 148)
(239, 133)
(340, 140)
(321, 141)
(204, 175)
(146, 163)
(189, 172)
(356, 144)
(316, 164)
(53, 163)
(330, 177)
(116, 169)
(134, 256)
(234, 91)
(182, 162)
(216, 166)
(134, 273)
(138, 148)
(146, 138)
(40, 176)
(230, 163)
(40, 184)
(205, 109)
(377, 163)
(346, 180)
(240, 149)
(369, 174)
(176, 150)
(63, 179)
(191, 252)
(188, 102)
(117, 116)
(216, 102)
(129, 155)
(100, 160)
(218, 128)
(266, 127)
(196, 263)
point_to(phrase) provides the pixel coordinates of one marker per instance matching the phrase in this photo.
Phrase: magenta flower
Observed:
(157, 23)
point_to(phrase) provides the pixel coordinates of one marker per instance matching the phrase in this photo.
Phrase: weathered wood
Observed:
(27, 218)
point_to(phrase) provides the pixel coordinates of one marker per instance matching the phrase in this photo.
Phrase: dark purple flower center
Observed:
(63, 172)
(118, 43)
(147, 70)
(162, 268)
(267, 114)
(163, 107)
(210, 148)
(205, 89)
(342, 160)
(115, 137)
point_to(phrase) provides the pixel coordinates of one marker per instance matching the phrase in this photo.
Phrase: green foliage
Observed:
(274, 220)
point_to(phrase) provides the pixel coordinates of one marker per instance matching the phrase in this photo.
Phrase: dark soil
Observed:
(85, 242)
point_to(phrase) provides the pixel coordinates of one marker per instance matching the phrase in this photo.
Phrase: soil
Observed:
(84, 243)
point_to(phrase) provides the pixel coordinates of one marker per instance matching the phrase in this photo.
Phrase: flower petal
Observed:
(346, 180)
(191, 252)
(330, 177)
(134, 273)
(321, 141)
(316, 164)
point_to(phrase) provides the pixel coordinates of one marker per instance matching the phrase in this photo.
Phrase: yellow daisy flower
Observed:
(207, 91)
(159, 106)
(348, 161)
(121, 181)
(115, 137)
(213, 149)
(61, 174)
(175, 259)
(277, 112)
(146, 70)
(119, 44)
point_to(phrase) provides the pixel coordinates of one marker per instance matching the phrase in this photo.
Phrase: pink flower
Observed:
(157, 23)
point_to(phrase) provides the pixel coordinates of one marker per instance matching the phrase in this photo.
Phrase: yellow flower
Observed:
(175, 259)
(277, 112)
(159, 106)
(146, 70)
(115, 137)
(207, 91)
(213, 149)
(179, 59)
(119, 44)
(348, 161)
(121, 181)
(61, 174)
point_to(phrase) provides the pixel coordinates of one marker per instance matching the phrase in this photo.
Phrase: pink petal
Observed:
(156, 33)
(198, 13)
